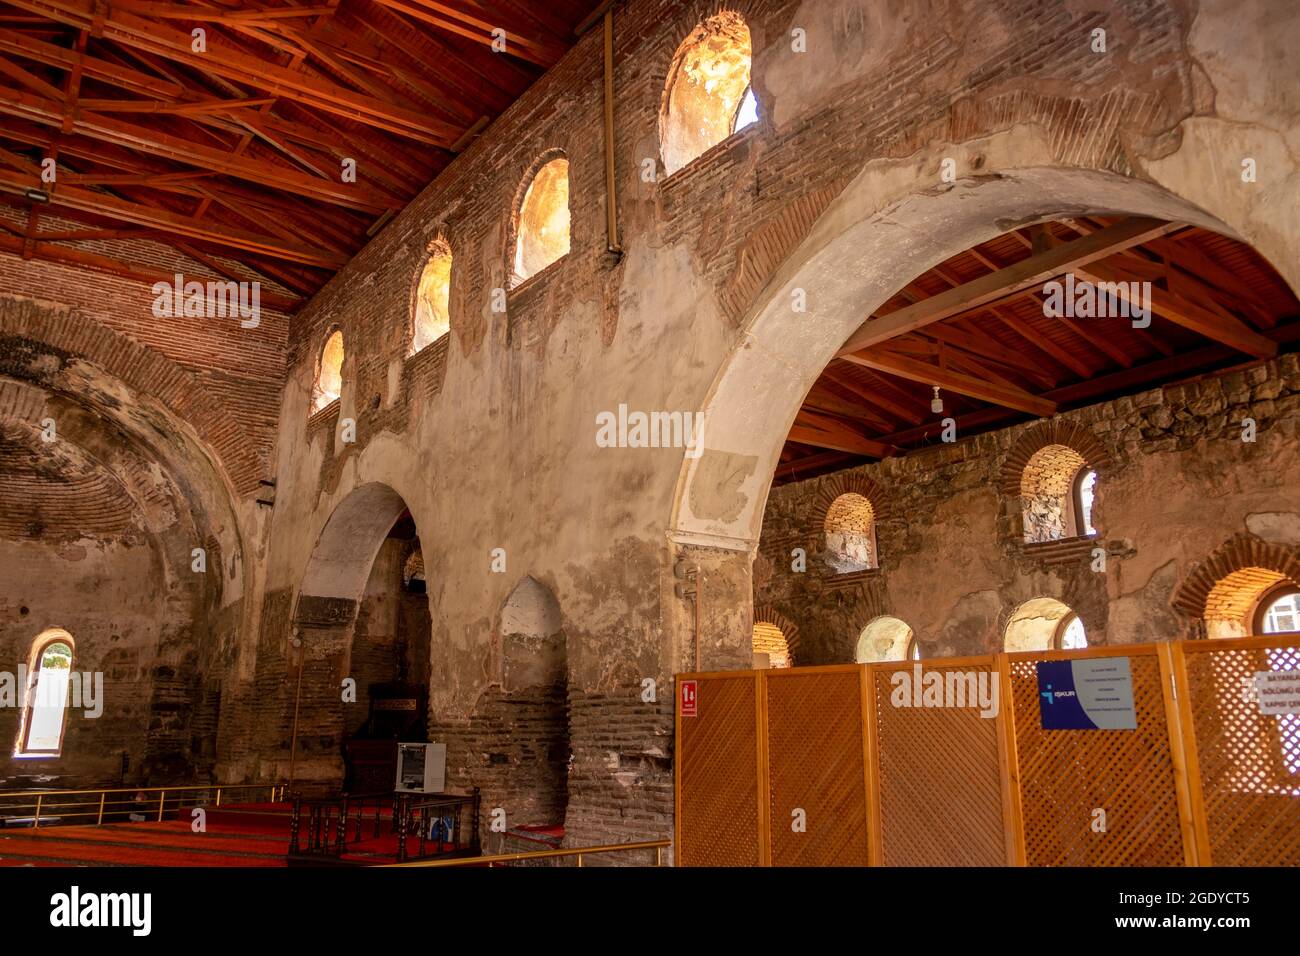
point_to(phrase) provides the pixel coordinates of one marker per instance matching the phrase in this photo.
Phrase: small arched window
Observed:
(432, 318)
(1056, 492)
(40, 733)
(542, 223)
(887, 639)
(329, 372)
(708, 96)
(851, 534)
(770, 647)
(1070, 635)
(1044, 624)
(1085, 488)
(1278, 611)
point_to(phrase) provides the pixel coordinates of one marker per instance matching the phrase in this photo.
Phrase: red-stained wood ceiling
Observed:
(237, 152)
(976, 326)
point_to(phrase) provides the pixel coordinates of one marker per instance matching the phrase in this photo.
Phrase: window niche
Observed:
(542, 221)
(708, 95)
(431, 319)
(328, 384)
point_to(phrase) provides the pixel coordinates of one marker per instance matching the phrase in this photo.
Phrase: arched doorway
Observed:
(359, 647)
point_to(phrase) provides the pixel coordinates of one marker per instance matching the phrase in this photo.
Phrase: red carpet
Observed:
(250, 835)
(254, 834)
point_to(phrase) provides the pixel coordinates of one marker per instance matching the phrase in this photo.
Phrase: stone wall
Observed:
(1175, 483)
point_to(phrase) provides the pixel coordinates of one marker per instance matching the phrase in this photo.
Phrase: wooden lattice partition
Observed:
(822, 774)
(940, 789)
(1246, 763)
(1066, 777)
(1205, 777)
(717, 774)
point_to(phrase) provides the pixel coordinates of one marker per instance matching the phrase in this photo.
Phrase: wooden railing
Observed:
(580, 852)
(116, 804)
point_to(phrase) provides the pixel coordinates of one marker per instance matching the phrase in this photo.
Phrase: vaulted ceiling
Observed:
(977, 327)
(238, 150)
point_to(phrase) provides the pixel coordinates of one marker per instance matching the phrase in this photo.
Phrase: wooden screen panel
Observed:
(940, 782)
(1249, 762)
(814, 733)
(1066, 774)
(717, 758)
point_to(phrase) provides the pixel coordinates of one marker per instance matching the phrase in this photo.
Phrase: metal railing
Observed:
(117, 804)
(657, 845)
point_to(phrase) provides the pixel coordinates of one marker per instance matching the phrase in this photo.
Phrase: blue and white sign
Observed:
(1091, 694)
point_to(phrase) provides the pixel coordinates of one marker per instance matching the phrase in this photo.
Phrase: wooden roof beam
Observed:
(86, 200)
(997, 393)
(822, 431)
(221, 59)
(96, 262)
(1217, 326)
(106, 129)
(1017, 278)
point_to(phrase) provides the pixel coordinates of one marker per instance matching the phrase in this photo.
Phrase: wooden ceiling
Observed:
(237, 152)
(975, 325)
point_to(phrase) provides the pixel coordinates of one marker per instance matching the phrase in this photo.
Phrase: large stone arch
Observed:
(25, 324)
(874, 238)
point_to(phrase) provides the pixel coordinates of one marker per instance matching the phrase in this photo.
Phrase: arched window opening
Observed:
(1242, 603)
(413, 572)
(433, 300)
(1279, 611)
(542, 225)
(1085, 487)
(1071, 635)
(1044, 624)
(747, 112)
(851, 534)
(45, 708)
(887, 639)
(1056, 492)
(770, 647)
(329, 372)
(709, 96)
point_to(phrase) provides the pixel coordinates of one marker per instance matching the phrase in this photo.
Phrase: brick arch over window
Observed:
(75, 336)
(825, 508)
(766, 614)
(1060, 449)
(555, 250)
(1219, 594)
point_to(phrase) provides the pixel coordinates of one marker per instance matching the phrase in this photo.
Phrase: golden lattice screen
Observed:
(1249, 761)
(1067, 775)
(815, 765)
(940, 788)
(1205, 778)
(717, 774)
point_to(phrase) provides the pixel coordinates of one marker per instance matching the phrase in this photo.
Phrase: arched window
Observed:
(1056, 491)
(40, 733)
(1085, 487)
(1044, 624)
(708, 96)
(542, 223)
(433, 300)
(1278, 611)
(887, 639)
(329, 372)
(770, 647)
(851, 534)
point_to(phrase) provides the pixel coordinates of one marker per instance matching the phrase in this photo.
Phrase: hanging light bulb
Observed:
(936, 403)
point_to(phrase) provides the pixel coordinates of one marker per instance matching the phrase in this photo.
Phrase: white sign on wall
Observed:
(1278, 692)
